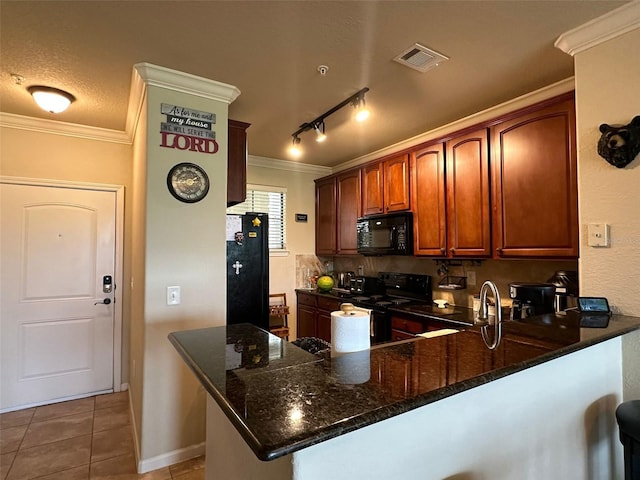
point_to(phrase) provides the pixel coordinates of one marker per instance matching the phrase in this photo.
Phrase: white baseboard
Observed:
(171, 458)
(166, 459)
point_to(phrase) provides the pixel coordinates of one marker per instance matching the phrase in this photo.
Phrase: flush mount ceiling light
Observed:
(51, 99)
(317, 124)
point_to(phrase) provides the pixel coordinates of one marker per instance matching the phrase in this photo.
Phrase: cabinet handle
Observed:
(443, 250)
(452, 250)
(499, 250)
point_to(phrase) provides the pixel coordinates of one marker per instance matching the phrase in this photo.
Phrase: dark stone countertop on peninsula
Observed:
(282, 399)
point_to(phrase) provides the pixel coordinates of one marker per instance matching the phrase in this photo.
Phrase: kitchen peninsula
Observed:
(539, 406)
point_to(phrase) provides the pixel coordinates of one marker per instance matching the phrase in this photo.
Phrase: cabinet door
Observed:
(468, 356)
(323, 326)
(430, 366)
(348, 210)
(428, 200)
(398, 376)
(306, 321)
(396, 184)
(467, 179)
(326, 217)
(535, 192)
(237, 163)
(372, 191)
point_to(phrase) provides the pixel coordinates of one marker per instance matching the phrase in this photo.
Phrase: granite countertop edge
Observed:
(270, 451)
(403, 406)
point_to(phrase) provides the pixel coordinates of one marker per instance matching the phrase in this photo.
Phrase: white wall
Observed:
(176, 244)
(298, 180)
(607, 82)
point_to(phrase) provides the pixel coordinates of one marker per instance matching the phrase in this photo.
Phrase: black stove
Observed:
(391, 290)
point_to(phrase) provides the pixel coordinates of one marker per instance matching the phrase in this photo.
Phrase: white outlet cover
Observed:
(598, 234)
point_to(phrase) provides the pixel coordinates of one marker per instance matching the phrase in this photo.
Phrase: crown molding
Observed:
(134, 106)
(186, 83)
(550, 91)
(287, 165)
(601, 29)
(55, 127)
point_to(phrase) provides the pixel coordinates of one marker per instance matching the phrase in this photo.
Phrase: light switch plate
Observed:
(598, 235)
(173, 295)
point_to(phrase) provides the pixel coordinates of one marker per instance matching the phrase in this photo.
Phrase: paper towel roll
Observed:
(351, 368)
(350, 331)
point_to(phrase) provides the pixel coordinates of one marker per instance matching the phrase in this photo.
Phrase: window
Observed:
(273, 202)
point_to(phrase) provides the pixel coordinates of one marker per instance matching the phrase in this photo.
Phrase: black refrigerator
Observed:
(248, 269)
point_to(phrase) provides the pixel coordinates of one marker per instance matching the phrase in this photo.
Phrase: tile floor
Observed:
(86, 439)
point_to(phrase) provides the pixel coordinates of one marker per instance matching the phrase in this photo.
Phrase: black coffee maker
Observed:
(529, 299)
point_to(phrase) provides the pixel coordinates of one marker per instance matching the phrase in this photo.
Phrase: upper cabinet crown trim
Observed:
(601, 29)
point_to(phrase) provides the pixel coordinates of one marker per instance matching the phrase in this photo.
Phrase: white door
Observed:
(56, 247)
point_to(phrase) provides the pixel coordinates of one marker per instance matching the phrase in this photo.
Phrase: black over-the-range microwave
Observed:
(389, 234)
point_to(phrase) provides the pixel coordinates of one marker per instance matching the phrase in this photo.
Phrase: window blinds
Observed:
(269, 200)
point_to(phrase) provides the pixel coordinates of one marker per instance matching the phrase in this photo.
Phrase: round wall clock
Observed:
(188, 182)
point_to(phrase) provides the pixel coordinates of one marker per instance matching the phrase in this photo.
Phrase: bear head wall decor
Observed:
(620, 144)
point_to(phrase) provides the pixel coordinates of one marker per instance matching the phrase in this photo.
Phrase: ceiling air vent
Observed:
(420, 58)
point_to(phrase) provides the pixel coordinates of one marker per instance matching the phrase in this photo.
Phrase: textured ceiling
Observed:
(270, 50)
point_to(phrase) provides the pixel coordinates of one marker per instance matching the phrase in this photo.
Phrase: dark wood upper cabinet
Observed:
(428, 200)
(468, 195)
(372, 189)
(385, 186)
(348, 209)
(396, 183)
(237, 162)
(326, 216)
(535, 192)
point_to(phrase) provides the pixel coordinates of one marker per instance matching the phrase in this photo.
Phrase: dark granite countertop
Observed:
(282, 399)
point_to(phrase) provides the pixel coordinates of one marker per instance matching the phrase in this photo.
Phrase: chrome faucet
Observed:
(483, 314)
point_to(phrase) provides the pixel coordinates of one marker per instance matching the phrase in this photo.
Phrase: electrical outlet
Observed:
(471, 278)
(598, 234)
(173, 295)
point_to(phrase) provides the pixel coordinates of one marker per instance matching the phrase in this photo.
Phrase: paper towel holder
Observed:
(347, 308)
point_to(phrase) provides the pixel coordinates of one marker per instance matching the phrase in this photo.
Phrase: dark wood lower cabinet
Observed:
(323, 323)
(306, 320)
(314, 315)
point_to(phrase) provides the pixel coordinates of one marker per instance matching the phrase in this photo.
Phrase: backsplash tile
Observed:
(502, 272)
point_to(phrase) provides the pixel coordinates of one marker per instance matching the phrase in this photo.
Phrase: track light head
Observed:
(294, 150)
(362, 112)
(320, 136)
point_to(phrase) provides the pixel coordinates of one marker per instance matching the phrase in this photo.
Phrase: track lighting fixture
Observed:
(51, 99)
(317, 124)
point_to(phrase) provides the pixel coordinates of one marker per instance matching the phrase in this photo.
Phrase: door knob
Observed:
(106, 301)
